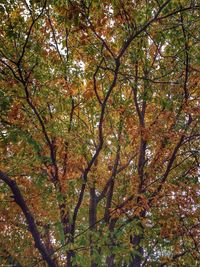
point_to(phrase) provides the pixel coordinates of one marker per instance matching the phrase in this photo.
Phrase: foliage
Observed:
(99, 133)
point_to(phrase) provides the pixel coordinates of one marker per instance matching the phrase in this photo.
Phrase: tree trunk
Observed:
(92, 221)
(136, 259)
(110, 261)
(135, 240)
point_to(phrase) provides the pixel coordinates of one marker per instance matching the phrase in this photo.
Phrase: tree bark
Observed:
(92, 221)
(136, 259)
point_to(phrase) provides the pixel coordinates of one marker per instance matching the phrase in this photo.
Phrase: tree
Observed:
(99, 134)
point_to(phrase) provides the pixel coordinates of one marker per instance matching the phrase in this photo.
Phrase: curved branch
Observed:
(19, 199)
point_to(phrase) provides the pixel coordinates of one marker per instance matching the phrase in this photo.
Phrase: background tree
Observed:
(99, 137)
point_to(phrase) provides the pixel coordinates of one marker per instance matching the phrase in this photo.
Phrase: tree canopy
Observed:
(99, 133)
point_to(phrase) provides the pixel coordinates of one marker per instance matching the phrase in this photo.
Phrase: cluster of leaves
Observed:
(99, 133)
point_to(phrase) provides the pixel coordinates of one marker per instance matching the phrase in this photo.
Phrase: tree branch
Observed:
(19, 199)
